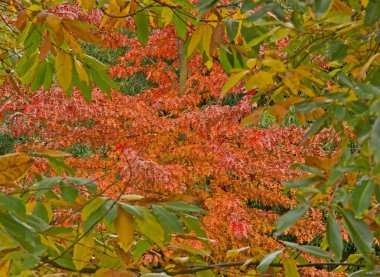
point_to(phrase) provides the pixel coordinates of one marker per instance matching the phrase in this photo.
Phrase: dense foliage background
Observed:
(176, 137)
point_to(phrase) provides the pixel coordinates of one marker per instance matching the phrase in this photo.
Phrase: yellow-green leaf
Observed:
(233, 80)
(87, 5)
(290, 268)
(13, 168)
(83, 252)
(63, 67)
(124, 226)
(206, 38)
(194, 40)
(83, 76)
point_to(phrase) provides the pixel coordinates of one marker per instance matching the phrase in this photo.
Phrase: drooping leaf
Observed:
(183, 207)
(167, 218)
(321, 7)
(290, 268)
(233, 80)
(359, 232)
(312, 250)
(334, 236)
(290, 218)
(194, 40)
(142, 26)
(63, 67)
(83, 252)
(150, 227)
(361, 196)
(375, 139)
(268, 259)
(124, 226)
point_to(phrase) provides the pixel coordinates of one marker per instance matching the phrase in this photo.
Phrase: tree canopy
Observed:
(319, 59)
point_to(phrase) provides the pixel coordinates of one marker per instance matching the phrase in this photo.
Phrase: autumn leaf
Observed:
(13, 168)
(63, 67)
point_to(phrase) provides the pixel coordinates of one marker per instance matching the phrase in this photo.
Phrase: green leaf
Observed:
(48, 76)
(359, 232)
(131, 209)
(41, 212)
(317, 125)
(372, 13)
(334, 236)
(312, 250)
(265, 263)
(183, 207)
(179, 22)
(89, 184)
(94, 219)
(39, 77)
(142, 26)
(58, 164)
(361, 196)
(290, 218)
(69, 192)
(232, 27)
(149, 226)
(204, 5)
(302, 182)
(321, 7)
(233, 80)
(20, 231)
(167, 218)
(337, 50)
(192, 250)
(10, 203)
(290, 268)
(46, 183)
(224, 61)
(193, 224)
(141, 247)
(375, 139)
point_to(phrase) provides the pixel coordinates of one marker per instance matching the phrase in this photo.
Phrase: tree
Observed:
(321, 57)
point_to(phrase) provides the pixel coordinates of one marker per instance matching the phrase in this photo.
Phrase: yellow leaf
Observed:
(360, 73)
(124, 226)
(194, 40)
(54, 24)
(4, 268)
(105, 272)
(236, 252)
(87, 5)
(251, 63)
(166, 15)
(63, 67)
(44, 152)
(306, 90)
(77, 29)
(290, 268)
(292, 82)
(13, 168)
(47, 241)
(83, 76)
(82, 252)
(252, 118)
(262, 80)
(279, 112)
(233, 80)
(275, 65)
(72, 42)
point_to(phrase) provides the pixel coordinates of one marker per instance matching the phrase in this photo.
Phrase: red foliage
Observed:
(172, 145)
